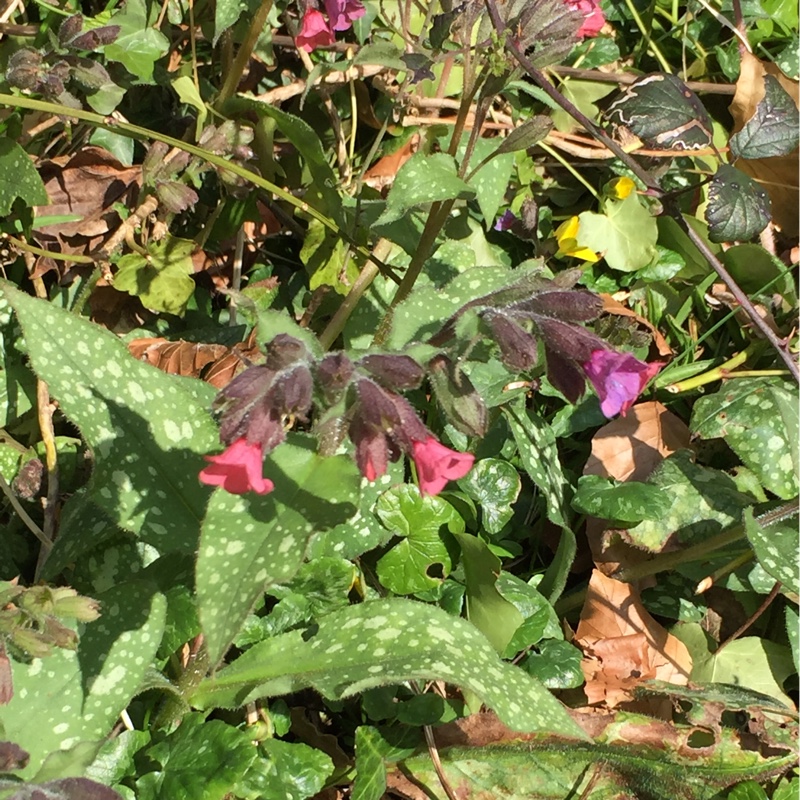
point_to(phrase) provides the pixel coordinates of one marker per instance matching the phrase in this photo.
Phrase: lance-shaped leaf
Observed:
(18, 178)
(531, 132)
(251, 541)
(386, 642)
(147, 430)
(738, 208)
(773, 128)
(775, 548)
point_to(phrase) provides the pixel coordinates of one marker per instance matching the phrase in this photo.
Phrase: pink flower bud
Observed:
(238, 469)
(437, 464)
(314, 31)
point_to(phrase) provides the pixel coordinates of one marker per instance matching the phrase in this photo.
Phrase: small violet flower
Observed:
(593, 19)
(618, 379)
(343, 13)
(505, 222)
(437, 464)
(238, 469)
(314, 31)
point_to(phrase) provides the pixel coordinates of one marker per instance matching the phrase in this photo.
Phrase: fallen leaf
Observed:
(381, 173)
(623, 645)
(631, 447)
(612, 306)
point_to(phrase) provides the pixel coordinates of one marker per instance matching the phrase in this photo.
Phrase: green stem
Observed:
(137, 132)
(717, 373)
(564, 163)
(648, 42)
(244, 53)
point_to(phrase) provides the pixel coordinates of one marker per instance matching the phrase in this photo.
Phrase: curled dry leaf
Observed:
(623, 645)
(779, 174)
(612, 306)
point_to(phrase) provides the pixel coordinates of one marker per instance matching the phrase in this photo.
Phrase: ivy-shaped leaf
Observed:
(632, 501)
(74, 697)
(757, 418)
(419, 519)
(18, 178)
(147, 430)
(386, 642)
(138, 45)
(773, 128)
(251, 541)
(738, 208)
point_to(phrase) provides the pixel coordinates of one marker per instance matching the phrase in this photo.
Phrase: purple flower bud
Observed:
(393, 371)
(284, 350)
(333, 374)
(373, 449)
(565, 375)
(569, 306)
(518, 348)
(376, 406)
(291, 391)
(506, 221)
(571, 341)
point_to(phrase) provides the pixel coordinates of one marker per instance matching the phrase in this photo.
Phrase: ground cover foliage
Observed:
(399, 399)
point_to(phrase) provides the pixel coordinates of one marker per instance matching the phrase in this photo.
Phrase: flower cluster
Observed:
(257, 405)
(318, 31)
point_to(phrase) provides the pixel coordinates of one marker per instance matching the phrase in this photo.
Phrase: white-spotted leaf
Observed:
(776, 549)
(250, 541)
(386, 642)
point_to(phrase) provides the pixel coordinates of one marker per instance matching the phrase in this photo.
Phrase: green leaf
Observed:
(793, 632)
(328, 259)
(18, 178)
(421, 180)
(495, 485)
(188, 94)
(226, 755)
(623, 502)
(289, 771)
(664, 113)
(75, 697)
(775, 548)
(494, 616)
(757, 418)
(556, 663)
(539, 455)
(138, 46)
(419, 519)
(147, 431)
(490, 182)
(704, 502)
(226, 14)
(251, 541)
(625, 234)
(161, 280)
(750, 662)
(773, 128)
(370, 782)
(386, 642)
(749, 790)
(115, 759)
(540, 620)
(530, 133)
(738, 208)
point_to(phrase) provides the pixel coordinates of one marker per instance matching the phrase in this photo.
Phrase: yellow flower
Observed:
(568, 244)
(619, 188)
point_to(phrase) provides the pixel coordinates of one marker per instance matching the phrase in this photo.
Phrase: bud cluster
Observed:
(31, 619)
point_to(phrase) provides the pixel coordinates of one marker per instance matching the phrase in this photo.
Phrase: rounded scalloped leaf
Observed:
(387, 642)
(71, 697)
(250, 541)
(494, 484)
(757, 418)
(147, 430)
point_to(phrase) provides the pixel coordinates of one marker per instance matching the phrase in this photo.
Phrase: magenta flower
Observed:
(593, 19)
(238, 469)
(437, 464)
(343, 13)
(314, 31)
(618, 379)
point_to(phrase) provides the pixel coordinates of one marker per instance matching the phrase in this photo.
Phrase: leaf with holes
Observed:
(664, 113)
(775, 548)
(386, 642)
(148, 430)
(757, 418)
(738, 208)
(624, 234)
(495, 485)
(18, 178)
(773, 128)
(75, 697)
(423, 522)
(423, 179)
(251, 541)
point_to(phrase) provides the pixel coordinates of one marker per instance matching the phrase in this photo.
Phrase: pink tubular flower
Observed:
(343, 13)
(618, 379)
(314, 32)
(593, 19)
(237, 470)
(437, 464)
